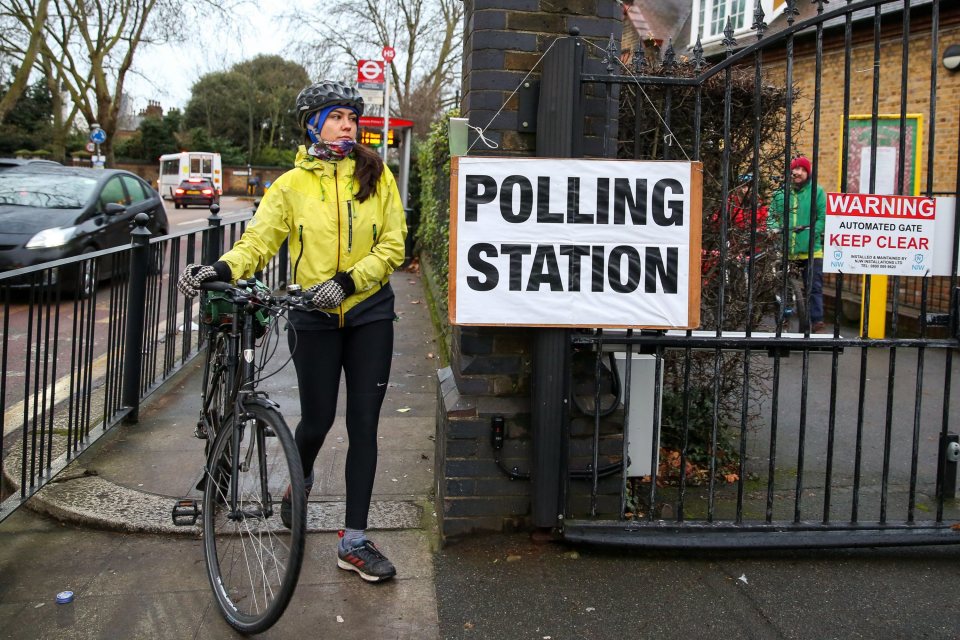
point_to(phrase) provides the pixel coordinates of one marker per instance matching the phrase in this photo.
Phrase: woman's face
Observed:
(341, 124)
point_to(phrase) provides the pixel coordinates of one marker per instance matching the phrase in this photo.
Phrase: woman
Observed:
(341, 210)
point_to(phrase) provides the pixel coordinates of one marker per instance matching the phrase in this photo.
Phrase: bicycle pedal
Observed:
(185, 513)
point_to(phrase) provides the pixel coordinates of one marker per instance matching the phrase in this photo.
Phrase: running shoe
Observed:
(368, 561)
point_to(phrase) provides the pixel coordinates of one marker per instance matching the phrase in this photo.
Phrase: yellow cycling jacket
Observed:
(329, 230)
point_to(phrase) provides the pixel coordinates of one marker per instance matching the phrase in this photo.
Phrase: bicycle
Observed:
(253, 561)
(772, 294)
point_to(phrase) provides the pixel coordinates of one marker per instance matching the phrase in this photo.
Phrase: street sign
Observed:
(389, 54)
(98, 136)
(370, 71)
(90, 147)
(371, 96)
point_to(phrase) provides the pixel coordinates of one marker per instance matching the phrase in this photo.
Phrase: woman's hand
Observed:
(331, 293)
(193, 276)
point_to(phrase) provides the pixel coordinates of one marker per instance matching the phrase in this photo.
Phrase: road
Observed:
(32, 362)
(231, 207)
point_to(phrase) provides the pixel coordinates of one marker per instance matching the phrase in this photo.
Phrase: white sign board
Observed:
(878, 234)
(371, 96)
(944, 236)
(575, 243)
(886, 170)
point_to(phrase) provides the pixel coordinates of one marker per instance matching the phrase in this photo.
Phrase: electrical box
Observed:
(640, 428)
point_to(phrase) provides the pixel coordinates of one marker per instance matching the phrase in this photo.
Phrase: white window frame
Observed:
(729, 6)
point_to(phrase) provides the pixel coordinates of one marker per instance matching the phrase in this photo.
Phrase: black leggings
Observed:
(364, 354)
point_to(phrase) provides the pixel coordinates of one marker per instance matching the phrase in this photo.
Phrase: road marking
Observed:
(13, 417)
(193, 221)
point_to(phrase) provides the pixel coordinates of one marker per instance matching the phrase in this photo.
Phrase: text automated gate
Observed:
(762, 428)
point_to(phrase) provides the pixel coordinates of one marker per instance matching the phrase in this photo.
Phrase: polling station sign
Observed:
(575, 243)
(879, 234)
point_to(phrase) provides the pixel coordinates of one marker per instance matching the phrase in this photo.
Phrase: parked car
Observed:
(195, 191)
(50, 212)
(11, 163)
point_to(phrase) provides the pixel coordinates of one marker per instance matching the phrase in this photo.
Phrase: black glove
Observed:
(195, 274)
(331, 293)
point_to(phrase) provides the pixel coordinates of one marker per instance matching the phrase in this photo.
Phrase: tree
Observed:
(27, 46)
(87, 46)
(426, 34)
(251, 105)
(27, 124)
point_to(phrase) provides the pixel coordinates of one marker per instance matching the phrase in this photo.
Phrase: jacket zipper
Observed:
(297, 264)
(336, 190)
(350, 226)
(374, 234)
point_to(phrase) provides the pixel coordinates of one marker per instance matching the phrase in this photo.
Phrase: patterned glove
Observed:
(193, 276)
(331, 293)
(326, 295)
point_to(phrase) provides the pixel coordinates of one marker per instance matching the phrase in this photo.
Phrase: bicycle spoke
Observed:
(253, 560)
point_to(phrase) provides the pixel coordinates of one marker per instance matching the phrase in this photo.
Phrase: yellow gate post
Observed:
(878, 306)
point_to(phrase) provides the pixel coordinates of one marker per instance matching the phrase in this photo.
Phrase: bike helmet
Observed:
(325, 94)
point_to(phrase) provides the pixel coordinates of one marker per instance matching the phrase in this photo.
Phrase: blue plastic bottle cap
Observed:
(64, 597)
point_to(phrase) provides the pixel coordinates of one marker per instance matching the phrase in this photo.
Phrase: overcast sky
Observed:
(170, 70)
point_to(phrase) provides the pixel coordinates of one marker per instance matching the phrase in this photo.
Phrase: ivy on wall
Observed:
(433, 158)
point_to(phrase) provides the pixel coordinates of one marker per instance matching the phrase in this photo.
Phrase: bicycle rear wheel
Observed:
(253, 561)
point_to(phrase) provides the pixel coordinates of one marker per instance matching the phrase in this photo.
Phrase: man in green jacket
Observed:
(796, 218)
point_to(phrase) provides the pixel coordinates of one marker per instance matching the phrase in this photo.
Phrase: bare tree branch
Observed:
(34, 45)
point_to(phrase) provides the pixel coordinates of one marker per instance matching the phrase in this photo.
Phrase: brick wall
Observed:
(489, 373)
(861, 92)
(947, 108)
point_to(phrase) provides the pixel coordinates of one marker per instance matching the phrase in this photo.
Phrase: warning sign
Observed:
(874, 234)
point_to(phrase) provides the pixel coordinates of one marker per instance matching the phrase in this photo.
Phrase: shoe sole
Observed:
(346, 566)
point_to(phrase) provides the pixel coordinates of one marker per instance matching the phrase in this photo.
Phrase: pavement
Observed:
(102, 531)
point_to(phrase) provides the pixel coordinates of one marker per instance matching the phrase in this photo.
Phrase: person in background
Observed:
(340, 209)
(790, 209)
(740, 205)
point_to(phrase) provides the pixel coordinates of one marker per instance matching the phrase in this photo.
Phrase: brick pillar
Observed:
(490, 372)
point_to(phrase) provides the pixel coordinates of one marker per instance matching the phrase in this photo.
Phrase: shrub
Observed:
(433, 233)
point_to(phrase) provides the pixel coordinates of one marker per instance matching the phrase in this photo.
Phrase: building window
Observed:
(711, 16)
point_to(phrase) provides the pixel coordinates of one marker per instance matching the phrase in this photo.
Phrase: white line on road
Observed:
(13, 417)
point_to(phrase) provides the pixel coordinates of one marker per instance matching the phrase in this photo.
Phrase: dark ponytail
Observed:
(368, 171)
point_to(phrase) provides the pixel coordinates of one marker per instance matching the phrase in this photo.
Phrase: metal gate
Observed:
(760, 431)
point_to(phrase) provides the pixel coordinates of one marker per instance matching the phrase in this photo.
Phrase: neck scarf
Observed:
(335, 150)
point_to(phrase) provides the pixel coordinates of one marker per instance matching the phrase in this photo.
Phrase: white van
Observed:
(177, 167)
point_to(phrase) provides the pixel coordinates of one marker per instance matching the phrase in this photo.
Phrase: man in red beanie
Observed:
(796, 218)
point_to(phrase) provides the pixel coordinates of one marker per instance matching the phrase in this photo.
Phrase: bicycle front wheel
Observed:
(253, 561)
(799, 301)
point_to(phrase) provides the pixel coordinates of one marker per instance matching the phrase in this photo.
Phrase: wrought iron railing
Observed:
(86, 339)
(764, 435)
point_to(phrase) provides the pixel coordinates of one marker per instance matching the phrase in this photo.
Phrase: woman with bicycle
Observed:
(340, 210)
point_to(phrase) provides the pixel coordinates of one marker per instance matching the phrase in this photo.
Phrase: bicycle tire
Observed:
(253, 561)
(799, 304)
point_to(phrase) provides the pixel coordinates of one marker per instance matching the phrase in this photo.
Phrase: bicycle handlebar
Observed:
(243, 289)
(216, 285)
